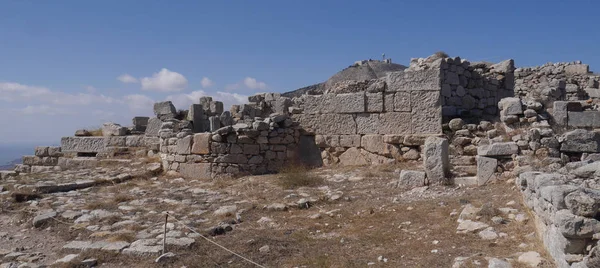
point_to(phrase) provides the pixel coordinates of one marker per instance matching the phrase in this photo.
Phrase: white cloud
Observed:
(252, 83)
(206, 82)
(164, 81)
(90, 89)
(126, 78)
(10, 91)
(42, 110)
(138, 102)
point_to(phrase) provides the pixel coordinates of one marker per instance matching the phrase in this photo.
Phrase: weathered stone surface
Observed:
(426, 114)
(201, 143)
(414, 80)
(584, 203)
(184, 145)
(353, 157)
(367, 123)
(578, 69)
(195, 171)
(196, 115)
(374, 102)
(393, 139)
(395, 123)
(348, 103)
(373, 143)
(580, 140)
(498, 149)
(113, 129)
(469, 226)
(560, 112)
(82, 144)
(336, 124)
(511, 106)
(153, 127)
(165, 110)
(350, 140)
(135, 141)
(215, 123)
(43, 218)
(584, 119)
(402, 102)
(412, 179)
(435, 160)
(140, 123)
(486, 168)
(41, 151)
(456, 124)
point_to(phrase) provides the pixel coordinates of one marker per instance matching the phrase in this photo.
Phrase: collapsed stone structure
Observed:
(467, 123)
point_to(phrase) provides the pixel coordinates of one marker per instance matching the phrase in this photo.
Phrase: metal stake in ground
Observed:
(165, 235)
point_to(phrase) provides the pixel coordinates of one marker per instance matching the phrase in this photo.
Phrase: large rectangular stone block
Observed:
(435, 160)
(184, 145)
(414, 80)
(165, 110)
(195, 171)
(201, 144)
(395, 123)
(153, 127)
(402, 101)
(486, 168)
(579, 69)
(82, 144)
(374, 102)
(196, 115)
(350, 140)
(335, 124)
(344, 103)
(312, 104)
(584, 119)
(388, 101)
(367, 123)
(498, 149)
(140, 123)
(426, 114)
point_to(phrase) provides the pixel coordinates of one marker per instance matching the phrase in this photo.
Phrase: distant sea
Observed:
(11, 152)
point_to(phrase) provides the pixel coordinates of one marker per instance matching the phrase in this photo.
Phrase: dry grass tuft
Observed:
(297, 176)
(125, 237)
(441, 54)
(488, 211)
(122, 198)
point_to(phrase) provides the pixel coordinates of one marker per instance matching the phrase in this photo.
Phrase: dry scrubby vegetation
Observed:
(296, 176)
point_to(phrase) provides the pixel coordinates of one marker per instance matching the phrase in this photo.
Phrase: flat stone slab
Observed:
(82, 144)
(498, 149)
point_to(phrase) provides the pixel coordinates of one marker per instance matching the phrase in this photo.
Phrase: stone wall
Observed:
(556, 81)
(265, 145)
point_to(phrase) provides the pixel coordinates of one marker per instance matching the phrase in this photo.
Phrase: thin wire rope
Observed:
(215, 243)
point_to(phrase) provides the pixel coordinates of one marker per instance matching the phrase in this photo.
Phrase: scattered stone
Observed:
(43, 218)
(498, 263)
(264, 249)
(225, 211)
(531, 258)
(67, 259)
(469, 226)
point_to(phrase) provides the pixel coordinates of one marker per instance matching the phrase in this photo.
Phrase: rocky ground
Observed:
(343, 217)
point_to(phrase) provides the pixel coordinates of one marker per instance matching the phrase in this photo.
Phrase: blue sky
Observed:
(60, 60)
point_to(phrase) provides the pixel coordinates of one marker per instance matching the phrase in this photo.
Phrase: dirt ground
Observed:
(327, 217)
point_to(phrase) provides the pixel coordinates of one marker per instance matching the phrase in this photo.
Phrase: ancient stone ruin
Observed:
(466, 123)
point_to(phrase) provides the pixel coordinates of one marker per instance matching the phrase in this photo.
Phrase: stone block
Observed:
(367, 123)
(195, 171)
(414, 80)
(201, 143)
(486, 168)
(402, 102)
(216, 107)
(226, 118)
(353, 157)
(232, 159)
(374, 102)
(498, 149)
(350, 140)
(113, 129)
(54, 151)
(312, 104)
(165, 110)
(82, 144)
(393, 139)
(511, 106)
(426, 114)
(584, 119)
(184, 145)
(77, 162)
(346, 103)
(115, 141)
(395, 123)
(335, 124)
(215, 123)
(412, 179)
(153, 127)
(580, 141)
(577, 69)
(281, 105)
(134, 141)
(373, 143)
(41, 151)
(388, 101)
(435, 160)
(196, 115)
(140, 123)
